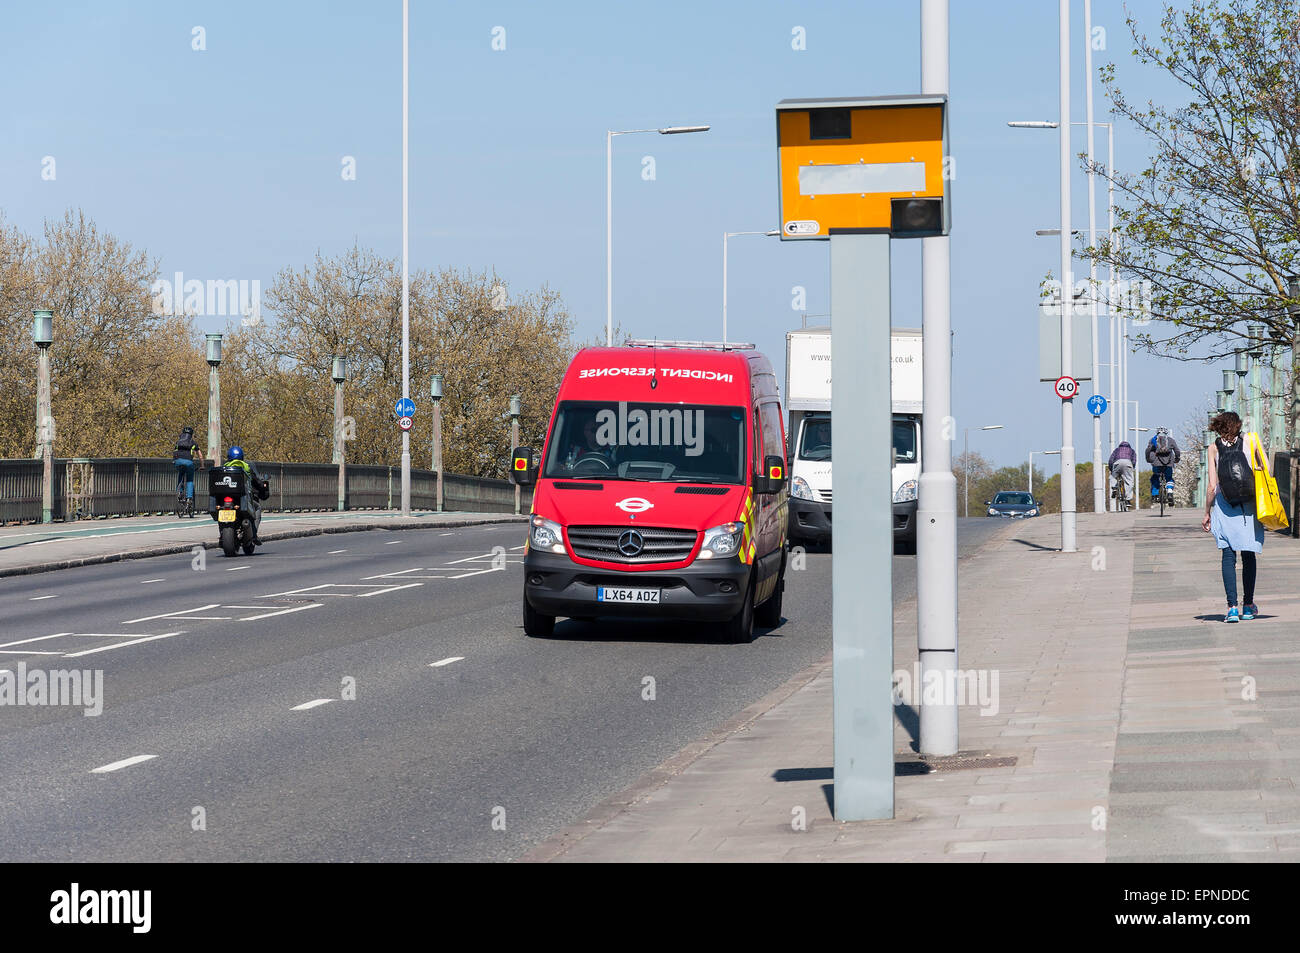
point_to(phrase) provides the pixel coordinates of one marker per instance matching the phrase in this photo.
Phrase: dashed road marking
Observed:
(394, 542)
(168, 615)
(335, 552)
(447, 661)
(237, 568)
(145, 582)
(119, 645)
(315, 703)
(124, 763)
(267, 615)
(39, 598)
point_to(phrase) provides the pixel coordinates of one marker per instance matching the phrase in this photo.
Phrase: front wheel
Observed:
(768, 615)
(229, 541)
(536, 625)
(739, 629)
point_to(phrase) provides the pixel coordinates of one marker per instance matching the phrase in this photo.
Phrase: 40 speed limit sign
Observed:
(1066, 388)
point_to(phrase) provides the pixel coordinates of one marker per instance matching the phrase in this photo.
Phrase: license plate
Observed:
(619, 594)
(226, 516)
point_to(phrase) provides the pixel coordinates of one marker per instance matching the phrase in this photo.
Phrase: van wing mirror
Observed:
(522, 472)
(773, 476)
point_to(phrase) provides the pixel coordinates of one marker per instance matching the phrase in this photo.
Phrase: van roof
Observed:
(693, 375)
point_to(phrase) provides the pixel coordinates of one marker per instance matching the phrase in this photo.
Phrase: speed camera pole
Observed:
(936, 514)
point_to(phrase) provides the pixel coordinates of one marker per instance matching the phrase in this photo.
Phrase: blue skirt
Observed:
(1235, 526)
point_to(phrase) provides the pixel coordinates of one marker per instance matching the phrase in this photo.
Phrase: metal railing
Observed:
(89, 488)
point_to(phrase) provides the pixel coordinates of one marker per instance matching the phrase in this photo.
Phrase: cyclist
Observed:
(1163, 455)
(258, 487)
(1122, 461)
(185, 458)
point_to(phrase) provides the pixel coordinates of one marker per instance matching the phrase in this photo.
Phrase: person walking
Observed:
(1230, 509)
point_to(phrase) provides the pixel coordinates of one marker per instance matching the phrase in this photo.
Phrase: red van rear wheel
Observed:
(740, 628)
(536, 625)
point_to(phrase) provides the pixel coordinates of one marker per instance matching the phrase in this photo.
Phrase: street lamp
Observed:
(609, 212)
(1229, 386)
(213, 354)
(1031, 465)
(43, 337)
(966, 454)
(725, 236)
(1255, 350)
(435, 461)
(339, 373)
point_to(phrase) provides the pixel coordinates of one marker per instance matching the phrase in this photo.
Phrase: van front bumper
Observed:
(708, 590)
(809, 520)
(905, 521)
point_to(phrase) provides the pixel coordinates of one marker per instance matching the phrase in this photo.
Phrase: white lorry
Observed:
(808, 398)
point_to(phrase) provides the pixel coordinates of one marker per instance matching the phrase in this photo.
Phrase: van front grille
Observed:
(826, 495)
(659, 545)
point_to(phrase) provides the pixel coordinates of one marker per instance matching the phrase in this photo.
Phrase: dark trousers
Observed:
(1248, 568)
(1159, 477)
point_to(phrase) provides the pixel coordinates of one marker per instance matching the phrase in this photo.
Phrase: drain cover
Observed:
(961, 761)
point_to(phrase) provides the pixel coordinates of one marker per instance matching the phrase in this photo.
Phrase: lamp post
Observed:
(725, 236)
(406, 277)
(1137, 495)
(1255, 350)
(1293, 420)
(1031, 465)
(435, 391)
(213, 355)
(515, 407)
(43, 337)
(339, 372)
(609, 212)
(1229, 387)
(966, 454)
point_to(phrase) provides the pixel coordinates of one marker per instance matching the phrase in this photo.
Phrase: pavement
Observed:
(35, 548)
(1129, 724)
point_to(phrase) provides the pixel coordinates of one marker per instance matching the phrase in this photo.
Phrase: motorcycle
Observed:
(234, 512)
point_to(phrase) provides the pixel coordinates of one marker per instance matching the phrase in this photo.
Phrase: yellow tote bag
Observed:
(1268, 502)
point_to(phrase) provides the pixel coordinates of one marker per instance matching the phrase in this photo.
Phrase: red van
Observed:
(661, 490)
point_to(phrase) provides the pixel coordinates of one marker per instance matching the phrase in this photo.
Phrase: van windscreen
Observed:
(681, 443)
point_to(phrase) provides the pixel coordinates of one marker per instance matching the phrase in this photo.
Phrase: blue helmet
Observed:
(235, 453)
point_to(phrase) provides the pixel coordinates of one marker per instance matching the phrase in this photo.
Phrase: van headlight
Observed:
(546, 536)
(800, 489)
(722, 541)
(905, 493)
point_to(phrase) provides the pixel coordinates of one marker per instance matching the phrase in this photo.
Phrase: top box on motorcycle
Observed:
(228, 481)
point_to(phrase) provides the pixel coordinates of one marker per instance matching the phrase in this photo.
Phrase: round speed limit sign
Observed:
(1066, 388)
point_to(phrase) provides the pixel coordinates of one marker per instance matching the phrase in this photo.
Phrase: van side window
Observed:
(773, 436)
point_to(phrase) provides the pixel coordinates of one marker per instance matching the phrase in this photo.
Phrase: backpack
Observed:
(1236, 478)
(1162, 444)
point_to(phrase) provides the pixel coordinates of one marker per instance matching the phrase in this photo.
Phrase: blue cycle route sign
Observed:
(405, 407)
(1097, 405)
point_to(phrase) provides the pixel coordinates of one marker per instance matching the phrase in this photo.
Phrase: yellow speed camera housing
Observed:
(865, 164)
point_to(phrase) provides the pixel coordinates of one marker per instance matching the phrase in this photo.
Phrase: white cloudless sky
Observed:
(225, 163)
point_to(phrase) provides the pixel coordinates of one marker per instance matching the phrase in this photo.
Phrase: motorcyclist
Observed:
(257, 487)
(1163, 455)
(1122, 461)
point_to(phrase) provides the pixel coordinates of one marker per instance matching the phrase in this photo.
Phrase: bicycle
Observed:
(184, 502)
(1121, 498)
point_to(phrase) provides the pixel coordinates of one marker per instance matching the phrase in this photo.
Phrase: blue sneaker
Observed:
(1232, 615)
(1249, 611)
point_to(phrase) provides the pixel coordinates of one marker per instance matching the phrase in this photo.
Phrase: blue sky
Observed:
(225, 162)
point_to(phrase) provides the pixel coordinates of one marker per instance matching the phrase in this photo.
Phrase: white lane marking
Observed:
(471, 558)
(335, 552)
(447, 661)
(294, 592)
(476, 573)
(201, 618)
(395, 542)
(399, 572)
(167, 615)
(124, 763)
(380, 592)
(39, 598)
(26, 652)
(446, 534)
(267, 615)
(316, 703)
(145, 582)
(517, 547)
(237, 568)
(39, 638)
(122, 645)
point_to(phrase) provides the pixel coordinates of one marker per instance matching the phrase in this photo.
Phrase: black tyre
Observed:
(229, 541)
(739, 629)
(768, 615)
(536, 625)
(249, 547)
